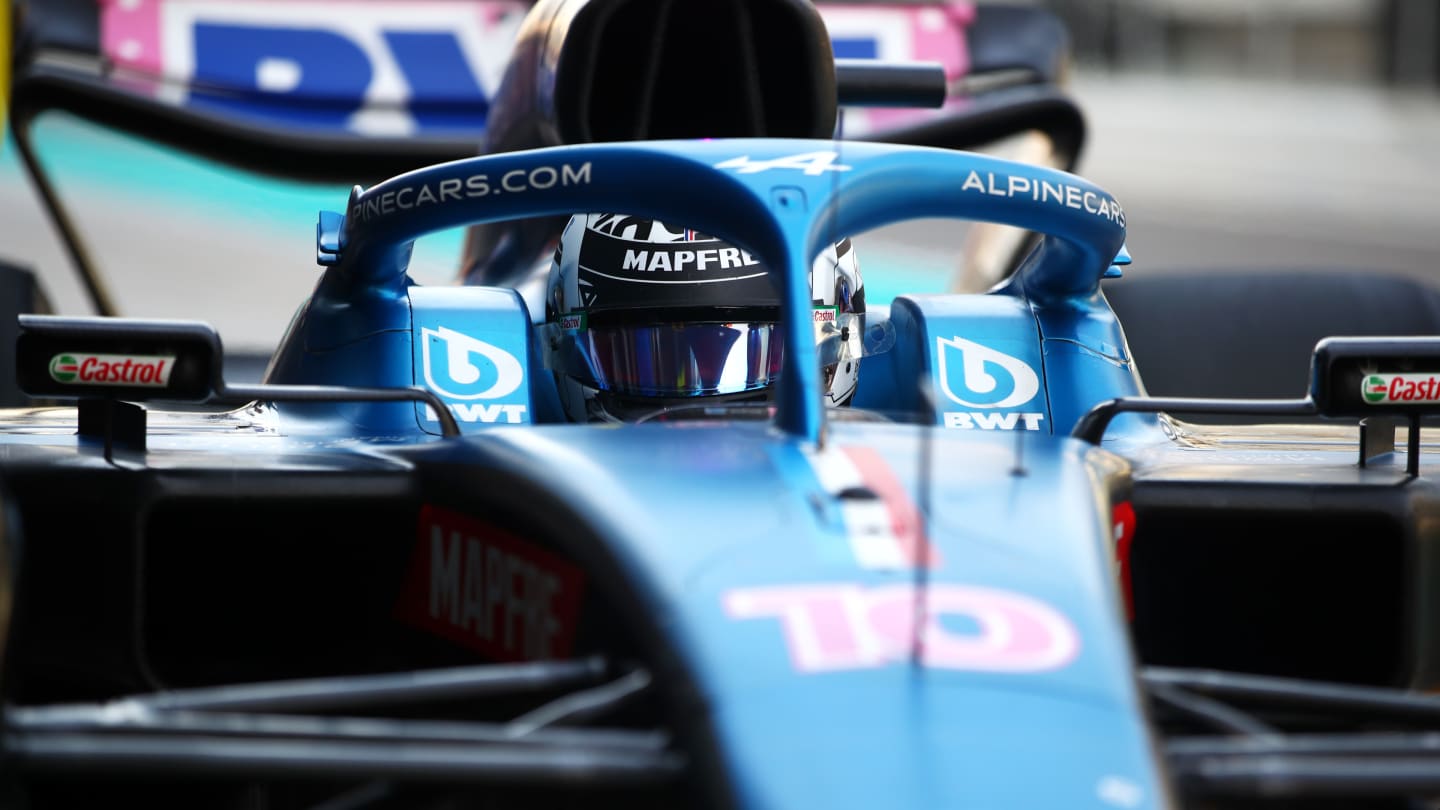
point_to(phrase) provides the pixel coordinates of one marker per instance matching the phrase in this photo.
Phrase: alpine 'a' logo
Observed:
(987, 378)
(498, 375)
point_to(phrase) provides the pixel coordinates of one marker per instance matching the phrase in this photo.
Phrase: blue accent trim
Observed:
(855, 48)
(333, 74)
(1121, 260)
(444, 91)
(329, 237)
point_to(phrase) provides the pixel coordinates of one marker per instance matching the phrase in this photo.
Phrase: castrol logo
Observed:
(146, 371)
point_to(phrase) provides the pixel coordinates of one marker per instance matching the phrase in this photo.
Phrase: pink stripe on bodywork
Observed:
(492, 13)
(938, 35)
(905, 518)
(937, 32)
(130, 34)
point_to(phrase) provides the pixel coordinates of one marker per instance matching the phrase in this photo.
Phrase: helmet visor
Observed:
(680, 359)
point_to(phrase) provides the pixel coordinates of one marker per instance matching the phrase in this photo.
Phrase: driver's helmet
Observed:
(644, 316)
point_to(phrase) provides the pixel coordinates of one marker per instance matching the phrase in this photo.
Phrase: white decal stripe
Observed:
(869, 524)
(872, 540)
(835, 470)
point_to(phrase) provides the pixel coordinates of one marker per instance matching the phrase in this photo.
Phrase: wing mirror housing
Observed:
(130, 359)
(1376, 376)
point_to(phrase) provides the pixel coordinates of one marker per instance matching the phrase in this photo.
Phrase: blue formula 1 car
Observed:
(402, 573)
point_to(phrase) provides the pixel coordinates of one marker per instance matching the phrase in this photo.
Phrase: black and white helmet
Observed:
(643, 316)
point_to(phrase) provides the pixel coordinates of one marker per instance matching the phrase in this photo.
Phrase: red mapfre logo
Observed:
(480, 586)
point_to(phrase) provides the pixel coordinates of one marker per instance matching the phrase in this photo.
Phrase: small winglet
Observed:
(329, 238)
(1121, 259)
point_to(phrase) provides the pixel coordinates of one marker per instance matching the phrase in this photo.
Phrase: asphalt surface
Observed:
(1213, 174)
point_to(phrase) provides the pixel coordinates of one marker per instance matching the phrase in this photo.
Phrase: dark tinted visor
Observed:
(675, 359)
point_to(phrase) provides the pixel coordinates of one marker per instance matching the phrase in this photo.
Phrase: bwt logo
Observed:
(979, 384)
(989, 380)
(460, 367)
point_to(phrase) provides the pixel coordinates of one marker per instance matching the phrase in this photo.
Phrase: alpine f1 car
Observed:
(402, 572)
